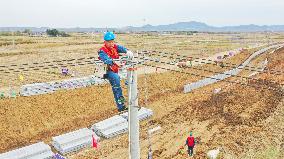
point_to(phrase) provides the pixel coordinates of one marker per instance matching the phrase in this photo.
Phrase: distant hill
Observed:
(198, 26)
(180, 26)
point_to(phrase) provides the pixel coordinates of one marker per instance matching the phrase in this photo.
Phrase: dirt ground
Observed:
(244, 121)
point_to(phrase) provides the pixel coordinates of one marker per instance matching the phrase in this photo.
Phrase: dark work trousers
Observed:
(190, 150)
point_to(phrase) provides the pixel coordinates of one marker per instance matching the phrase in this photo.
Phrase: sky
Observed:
(121, 13)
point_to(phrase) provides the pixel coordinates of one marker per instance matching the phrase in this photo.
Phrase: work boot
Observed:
(123, 109)
(121, 100)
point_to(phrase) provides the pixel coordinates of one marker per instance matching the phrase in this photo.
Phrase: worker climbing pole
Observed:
(107, 54)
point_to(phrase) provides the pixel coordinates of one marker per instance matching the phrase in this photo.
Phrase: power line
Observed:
(45, 62)
(200, 69)
(50, 63)
(276, 72)
(78, 60)
(45, 67)
(92, 62)
(230, 65)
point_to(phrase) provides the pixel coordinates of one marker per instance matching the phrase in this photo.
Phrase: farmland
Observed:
(254, 115)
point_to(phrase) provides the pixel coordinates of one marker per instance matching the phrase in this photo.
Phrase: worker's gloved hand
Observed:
(114, 67)
(129, 54)
(105, 76)
(126, 82)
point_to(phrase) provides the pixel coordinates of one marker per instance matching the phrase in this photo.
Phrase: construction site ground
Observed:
(247, 122)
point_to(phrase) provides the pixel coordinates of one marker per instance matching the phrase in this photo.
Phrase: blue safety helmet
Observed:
(109, 36)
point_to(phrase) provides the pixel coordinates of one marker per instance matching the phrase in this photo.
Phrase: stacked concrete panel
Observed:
(36, 89)
(73, 141)
(111, 127)
(35, 151)
(50, 87)
(118, 124)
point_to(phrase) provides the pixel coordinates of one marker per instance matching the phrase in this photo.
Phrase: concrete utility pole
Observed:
(133, 122)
